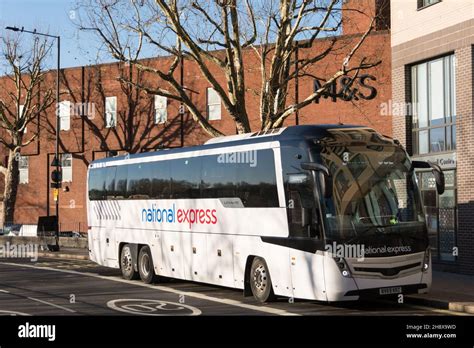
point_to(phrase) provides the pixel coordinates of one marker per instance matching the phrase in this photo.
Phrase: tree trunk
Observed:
(12, 178)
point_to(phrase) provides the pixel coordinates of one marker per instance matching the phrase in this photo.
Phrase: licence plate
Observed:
(389, 291)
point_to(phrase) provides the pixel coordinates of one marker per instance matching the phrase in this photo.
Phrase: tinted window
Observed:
(110, 182)
(219, 180)
(249, 176)
(257, 180)
(139, 183)
(97, 184)
(161, 180)
(186, 177)
(121, 182)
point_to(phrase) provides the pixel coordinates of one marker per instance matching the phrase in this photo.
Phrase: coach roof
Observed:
(278, 134)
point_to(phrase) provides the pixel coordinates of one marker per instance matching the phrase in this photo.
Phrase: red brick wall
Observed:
(357, 15)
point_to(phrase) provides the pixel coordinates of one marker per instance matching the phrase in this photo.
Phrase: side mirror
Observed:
(437, 173)
(326, 180)
(439, 178)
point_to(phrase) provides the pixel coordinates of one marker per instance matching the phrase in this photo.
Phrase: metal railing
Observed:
(66, 229)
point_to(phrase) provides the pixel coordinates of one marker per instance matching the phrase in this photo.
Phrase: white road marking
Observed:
(151, 307)
(4, 291)
(229, 302)
(52, 304)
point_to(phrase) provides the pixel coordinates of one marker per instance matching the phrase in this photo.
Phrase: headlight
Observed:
(426, 260)
(342, 265)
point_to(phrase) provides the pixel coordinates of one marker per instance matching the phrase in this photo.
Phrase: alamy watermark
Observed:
(20, 251)
(392, 108)
(246, 157)
(351, 251)
(77, 109)
(359, 251)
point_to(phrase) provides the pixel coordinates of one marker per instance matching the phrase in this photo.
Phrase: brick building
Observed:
(432, 76)
(120, 120)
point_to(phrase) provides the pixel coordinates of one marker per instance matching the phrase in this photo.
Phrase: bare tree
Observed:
(229, 36)
(21, 104)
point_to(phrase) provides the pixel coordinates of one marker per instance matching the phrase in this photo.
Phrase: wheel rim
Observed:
(260, 278)
(145, 265)
(127, 260)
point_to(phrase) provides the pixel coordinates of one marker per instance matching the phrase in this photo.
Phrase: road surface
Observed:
(75, 287)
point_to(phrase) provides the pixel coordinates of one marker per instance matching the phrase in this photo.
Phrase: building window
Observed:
(66, 164)
(213, 105)
(110, 112)
(65, 115)
(161, 111)
(434, 106)
(425, 3)
(23, 169)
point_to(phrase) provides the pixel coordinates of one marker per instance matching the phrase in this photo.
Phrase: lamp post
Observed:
(56, 162)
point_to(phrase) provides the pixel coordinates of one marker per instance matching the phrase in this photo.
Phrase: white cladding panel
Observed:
(188, 215)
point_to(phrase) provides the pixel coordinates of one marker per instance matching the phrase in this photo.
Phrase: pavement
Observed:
(449, 291)
(66, 253)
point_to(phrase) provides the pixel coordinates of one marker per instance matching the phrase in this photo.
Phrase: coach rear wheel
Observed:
(260, 281)
(126, 263)
(145, 266)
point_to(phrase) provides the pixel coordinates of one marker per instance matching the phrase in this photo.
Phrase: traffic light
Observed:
(56, 178)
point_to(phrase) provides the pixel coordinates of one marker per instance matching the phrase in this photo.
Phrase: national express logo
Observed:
(181, 216)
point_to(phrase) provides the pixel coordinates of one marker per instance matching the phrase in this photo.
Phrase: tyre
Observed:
(260, 281)
(145, 265)
(126, 263)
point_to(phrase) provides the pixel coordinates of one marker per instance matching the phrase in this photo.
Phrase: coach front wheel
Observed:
(126, 263)
(145, 265)
(260, 281)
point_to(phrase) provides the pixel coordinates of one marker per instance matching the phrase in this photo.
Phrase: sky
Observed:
(55, 17)
(58, 17)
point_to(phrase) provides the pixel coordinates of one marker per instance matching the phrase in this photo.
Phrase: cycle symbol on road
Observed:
(152, 307)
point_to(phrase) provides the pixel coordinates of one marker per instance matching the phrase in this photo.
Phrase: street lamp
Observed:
(56, 163)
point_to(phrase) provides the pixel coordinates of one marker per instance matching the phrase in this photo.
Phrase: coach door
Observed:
(306, 261)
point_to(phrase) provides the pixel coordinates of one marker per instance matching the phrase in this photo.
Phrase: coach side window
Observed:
(110, 182)
(257, 180)
(161, 180)
(139, 183)
(219, 179)
(186, 177)
(121, 182)
(97, 184)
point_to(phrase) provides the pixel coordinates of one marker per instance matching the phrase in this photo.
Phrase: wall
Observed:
(408, 23)
(440, 29)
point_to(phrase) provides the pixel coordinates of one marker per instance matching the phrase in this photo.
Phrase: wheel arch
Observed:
(248, 266)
